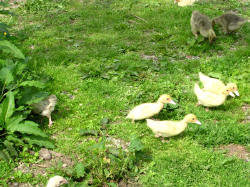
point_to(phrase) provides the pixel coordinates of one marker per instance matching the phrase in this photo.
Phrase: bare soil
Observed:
(236, 150)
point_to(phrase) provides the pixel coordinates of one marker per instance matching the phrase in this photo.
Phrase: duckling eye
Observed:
(193, 119)
(227, 90)
(168, 99)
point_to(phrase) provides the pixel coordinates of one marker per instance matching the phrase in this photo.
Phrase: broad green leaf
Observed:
(14, 120)
(6, 75)
(1, 118)
(33, 83)
(40, 141)
(8, 106)
(31, 95)
(3, 29)
(4, 155)
(14, 139)
(6, 12)
(20, 68)
(8, 47)
(9, 146)
(27, 127)
(3, 25)
(136, 145)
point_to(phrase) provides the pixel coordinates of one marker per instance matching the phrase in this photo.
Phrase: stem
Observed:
(3, 134)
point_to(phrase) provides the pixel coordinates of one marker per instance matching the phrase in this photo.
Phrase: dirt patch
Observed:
(22, 185)
(236, 150)
(150, 57)
(129, 183)
(41, 166)
(246, 109)
(16, 3)
(117, 143)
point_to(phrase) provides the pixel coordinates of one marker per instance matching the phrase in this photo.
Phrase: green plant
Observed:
(105, 42)
(46, 5)
(18, 90)
(107, 163)
(4, 32)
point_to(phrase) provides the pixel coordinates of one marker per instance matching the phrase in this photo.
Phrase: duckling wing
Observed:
(163, 128)
(144, 111)
(45, 106)
(233, 26)
(211, 84)
(186, 2)
(40, 107)
(207, 98)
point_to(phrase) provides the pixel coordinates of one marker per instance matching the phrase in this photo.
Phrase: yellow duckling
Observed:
(216, 85)
(210, 99)
(171, 128)
(147, 110)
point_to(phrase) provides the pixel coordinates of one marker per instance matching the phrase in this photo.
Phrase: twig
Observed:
(140, 18)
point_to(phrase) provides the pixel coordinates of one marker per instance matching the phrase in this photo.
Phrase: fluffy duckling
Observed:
(210, 99)
(216, 85)
(148, 110)
(185, 2)
(229, 22)
(201, 23)
(45, 107)
(171, 128)
(56, 181)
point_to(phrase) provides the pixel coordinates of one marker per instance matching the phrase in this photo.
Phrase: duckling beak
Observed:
(231, 94)
(237, 93)
(172, 102)
(65, 181)
(198, 122)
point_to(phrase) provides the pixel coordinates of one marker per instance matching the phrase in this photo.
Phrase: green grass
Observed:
(93, 51)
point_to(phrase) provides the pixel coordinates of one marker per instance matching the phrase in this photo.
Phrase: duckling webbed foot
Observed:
(163, 140)
(207, 109)
(50, 122)
(157, 135)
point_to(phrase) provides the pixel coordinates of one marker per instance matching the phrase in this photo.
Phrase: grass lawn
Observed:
(103, 57)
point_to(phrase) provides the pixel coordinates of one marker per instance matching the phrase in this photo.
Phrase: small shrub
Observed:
(18, 90)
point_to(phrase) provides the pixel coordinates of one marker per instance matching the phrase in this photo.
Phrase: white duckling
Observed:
(56, 181)
(171, 128)
(45, 107)
(210, 99)
(216, 85)
(183, 3)
(148, 110)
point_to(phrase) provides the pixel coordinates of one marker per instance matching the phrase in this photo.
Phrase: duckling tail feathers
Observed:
(197, 89)
(211, 35)
(204, 78)
(52, 100)
(201, 75)
(150, 123)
